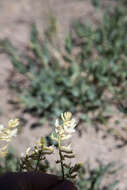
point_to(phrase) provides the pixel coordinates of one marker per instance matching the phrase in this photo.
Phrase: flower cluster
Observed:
(64, 131)
(7, 133)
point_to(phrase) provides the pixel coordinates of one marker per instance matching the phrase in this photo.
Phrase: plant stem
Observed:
(61, 159)
(37, 163)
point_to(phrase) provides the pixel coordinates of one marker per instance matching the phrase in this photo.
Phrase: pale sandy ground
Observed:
(15, 19)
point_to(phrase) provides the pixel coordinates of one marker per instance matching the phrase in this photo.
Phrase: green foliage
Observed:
(92, 179)
(10, 163)
(95, 64)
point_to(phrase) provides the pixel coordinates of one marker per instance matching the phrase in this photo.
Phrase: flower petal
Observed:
(57, 123)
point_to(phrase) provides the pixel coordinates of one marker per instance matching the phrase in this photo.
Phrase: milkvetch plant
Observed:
(30, 161)
(63, 132)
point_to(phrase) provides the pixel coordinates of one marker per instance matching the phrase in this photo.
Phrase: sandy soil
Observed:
(15, 19)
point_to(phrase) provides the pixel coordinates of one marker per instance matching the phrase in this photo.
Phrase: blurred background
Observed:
(68, 55)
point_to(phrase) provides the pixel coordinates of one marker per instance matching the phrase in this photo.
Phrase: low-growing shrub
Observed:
(95, 64)
(92, 179)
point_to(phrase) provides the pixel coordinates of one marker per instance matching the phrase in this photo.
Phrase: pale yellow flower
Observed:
(1, 127)
(13, 123)
(6, 134)
(66, 116)
(60, 132)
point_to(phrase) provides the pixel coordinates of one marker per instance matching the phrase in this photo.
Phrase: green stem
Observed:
(61, 159)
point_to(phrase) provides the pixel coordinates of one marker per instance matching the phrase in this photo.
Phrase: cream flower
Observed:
(64, 131)
(13, 123)
(69, 127)
(66, 128)
(1, 127)
(6, 134)
(68, 123)
(66, 116)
